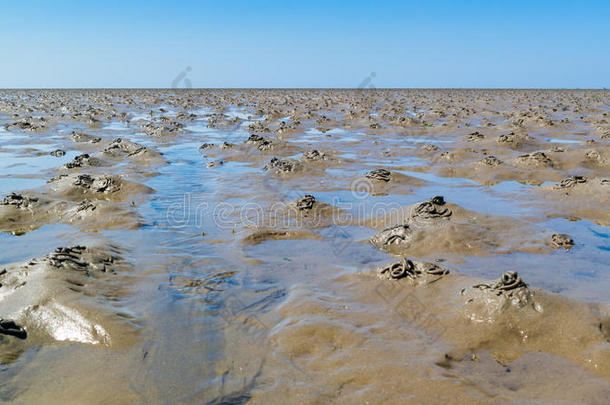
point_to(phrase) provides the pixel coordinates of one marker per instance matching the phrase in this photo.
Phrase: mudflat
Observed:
(305, 246)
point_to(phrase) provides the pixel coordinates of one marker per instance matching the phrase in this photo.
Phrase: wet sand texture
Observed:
(304, 246)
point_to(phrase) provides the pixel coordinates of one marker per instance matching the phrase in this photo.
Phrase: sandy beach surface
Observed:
(305, 246)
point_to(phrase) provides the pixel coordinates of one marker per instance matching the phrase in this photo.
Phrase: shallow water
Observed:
(216, 319)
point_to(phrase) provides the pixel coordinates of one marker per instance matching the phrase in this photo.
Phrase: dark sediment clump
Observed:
(537, 159)
(380, 175)
(562, 241)
(10, 328)
(86, 206)
(427, 147)
(215, 163)
(261, 143)
(264, 144)
(491, 161)
(83, 161)
(516, 141)
(474, 137)
(123, 148)
(395, 235)
(283, 165)
(209, 146)
(220, 120)
(570, 182)
(28, 124)
(79, 258)
(102, 184)
(580, 184)
(161, 129)
(306, 202)
(508, 282)
(254, 139)
(58, 153)
(381, 182)
(314, 155)
(259, 128)
(81, 137)
(406, 268)
(19, 201)
(433, 209)
(287, 128)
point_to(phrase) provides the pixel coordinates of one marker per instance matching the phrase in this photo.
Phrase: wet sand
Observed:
(305, 246)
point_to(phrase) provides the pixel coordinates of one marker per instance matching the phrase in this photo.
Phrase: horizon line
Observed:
(302, 88)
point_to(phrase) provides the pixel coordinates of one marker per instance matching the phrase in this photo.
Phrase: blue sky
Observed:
(556, 44)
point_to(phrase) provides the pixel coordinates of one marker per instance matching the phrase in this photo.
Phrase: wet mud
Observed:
(304, 246)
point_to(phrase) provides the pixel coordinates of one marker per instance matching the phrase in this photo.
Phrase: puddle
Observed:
(116, 126)
(574, 141)
(22, 164)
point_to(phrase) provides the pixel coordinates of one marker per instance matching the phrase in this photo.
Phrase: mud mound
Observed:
(284, 166)
(103, 187)
(262, 235)
(580, 197)
(100, 214)
(517, 141)
(22, 213)
(308, 212)
(380, 182)
(83, 160)
(63, 296)
(435, 226)
(81, 137)
(124, 149)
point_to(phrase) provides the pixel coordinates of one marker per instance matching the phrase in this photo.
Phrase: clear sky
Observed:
(426, 43)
